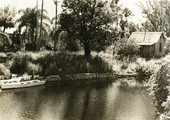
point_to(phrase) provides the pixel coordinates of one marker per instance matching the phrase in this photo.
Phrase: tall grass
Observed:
(51, 63)
(130, 65)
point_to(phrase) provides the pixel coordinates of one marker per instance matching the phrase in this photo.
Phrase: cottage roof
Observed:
(146, 38)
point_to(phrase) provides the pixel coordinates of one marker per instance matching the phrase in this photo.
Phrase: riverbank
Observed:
(49, 63)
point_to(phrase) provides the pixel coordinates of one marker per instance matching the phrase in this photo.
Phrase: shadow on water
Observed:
(86, 103)
(99, 101)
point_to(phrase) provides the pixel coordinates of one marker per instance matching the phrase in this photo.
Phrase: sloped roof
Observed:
(146, 38)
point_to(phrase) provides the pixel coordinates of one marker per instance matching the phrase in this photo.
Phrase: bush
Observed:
(124, 48)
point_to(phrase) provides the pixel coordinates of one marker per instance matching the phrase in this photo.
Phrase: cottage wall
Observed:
(147, 50)
(159, 47)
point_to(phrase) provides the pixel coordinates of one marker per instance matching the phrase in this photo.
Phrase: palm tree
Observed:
(7, 17)
(30, 20)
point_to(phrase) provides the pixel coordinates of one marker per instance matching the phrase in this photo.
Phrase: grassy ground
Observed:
(130, 65)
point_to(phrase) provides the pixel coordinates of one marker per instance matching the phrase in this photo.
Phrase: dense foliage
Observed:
(88, 21)
(159, 88)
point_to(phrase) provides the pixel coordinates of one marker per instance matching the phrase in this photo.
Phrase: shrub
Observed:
(125, 48)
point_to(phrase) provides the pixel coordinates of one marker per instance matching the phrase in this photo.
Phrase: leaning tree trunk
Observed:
(4, 29)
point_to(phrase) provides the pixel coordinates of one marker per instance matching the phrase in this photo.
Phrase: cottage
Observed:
(151, 43)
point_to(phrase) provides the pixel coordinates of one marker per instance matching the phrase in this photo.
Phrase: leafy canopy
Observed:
(89, 22)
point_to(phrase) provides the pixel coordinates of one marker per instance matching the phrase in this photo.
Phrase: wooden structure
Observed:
(151, 43)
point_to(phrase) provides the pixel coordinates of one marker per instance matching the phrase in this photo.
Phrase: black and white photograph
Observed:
(84, 59)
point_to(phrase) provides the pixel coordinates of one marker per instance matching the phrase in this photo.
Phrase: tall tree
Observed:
(88, 21)
(125, 14)
(29, 19)
(121, 16)
(157, 14)
(7, 16)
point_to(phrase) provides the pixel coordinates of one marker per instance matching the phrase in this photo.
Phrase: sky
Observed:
(133, 5)
(50, 7)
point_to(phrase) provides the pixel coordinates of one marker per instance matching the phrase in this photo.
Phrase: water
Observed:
(77, 102)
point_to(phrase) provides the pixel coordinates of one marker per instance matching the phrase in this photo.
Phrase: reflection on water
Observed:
(77, 102)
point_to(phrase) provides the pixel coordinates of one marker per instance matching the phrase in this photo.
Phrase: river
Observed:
(102, 101)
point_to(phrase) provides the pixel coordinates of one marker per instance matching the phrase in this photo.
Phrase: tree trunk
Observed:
(87, 50)
(32, 40)
(55, 42)
(4, 29)
(55, 37)
(38, 45)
